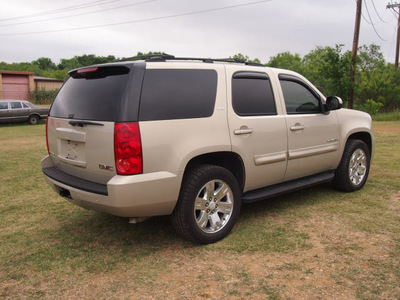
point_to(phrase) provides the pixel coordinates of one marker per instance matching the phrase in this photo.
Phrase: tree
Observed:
(287, 60)
(45, 63)
(329, 68)
(245, 58)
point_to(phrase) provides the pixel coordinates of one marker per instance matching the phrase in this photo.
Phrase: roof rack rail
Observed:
(163, 57)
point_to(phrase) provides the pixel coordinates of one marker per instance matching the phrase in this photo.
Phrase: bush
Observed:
(369, 106)
(43, 96)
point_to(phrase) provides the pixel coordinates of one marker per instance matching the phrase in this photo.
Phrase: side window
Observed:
(3, 105)
(25, 105)
(169, 94)
(252, 94)
(15, 105)
(298, 98)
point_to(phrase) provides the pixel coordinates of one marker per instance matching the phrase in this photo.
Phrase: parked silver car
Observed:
(12, 111)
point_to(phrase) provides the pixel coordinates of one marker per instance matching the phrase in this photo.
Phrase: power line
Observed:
(376, 11)
(81, 14)
(60, 10)
(373, 25)
(139, 21)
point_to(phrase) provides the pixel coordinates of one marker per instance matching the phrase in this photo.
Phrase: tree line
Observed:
(377, 86)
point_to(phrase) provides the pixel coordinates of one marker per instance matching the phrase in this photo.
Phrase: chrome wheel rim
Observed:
(357, 166)
(213, 206)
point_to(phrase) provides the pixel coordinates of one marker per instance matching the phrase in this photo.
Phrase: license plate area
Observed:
(72, 152)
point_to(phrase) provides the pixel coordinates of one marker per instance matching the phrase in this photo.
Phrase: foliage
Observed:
(377, 85)
(390, 116)
(245, 58)
(370, 106)
(43, 96)
(287, 60)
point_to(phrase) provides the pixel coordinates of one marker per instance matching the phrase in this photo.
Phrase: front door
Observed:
(313, 137)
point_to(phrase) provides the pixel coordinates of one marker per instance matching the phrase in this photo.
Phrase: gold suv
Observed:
(194, 138)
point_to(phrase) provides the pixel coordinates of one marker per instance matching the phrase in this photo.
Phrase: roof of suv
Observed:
(166, 58)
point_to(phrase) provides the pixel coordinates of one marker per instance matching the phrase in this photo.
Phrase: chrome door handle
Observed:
(243, 131)
(296, 127)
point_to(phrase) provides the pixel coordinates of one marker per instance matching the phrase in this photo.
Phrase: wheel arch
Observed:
(225, 159)
(363, 136)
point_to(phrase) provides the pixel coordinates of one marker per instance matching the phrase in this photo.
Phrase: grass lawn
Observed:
(314, 244)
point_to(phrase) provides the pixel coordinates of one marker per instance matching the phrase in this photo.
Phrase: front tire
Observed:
(208, 206)
(353, 169)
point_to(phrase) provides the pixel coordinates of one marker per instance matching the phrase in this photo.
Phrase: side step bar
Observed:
(285, 187)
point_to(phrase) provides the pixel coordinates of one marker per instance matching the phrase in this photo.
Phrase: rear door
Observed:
(82, 117)
(18, 112)
(257, 126)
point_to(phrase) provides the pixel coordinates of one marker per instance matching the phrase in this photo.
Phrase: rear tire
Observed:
(208, 206)
(353, 169)
(33, 119)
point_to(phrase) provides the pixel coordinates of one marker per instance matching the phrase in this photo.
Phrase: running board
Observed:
(286, 187)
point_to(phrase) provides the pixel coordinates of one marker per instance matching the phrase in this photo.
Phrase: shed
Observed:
(16, 85)
(47, 84)
(20, 85)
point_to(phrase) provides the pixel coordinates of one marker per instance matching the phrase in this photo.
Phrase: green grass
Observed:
(391, 116)
(315, 243)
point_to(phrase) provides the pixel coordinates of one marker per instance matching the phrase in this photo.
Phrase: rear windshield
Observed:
(91, 98)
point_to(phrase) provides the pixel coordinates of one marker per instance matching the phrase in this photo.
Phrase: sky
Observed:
(208, 28)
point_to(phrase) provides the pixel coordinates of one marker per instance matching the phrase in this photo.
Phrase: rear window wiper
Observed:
(83, 123)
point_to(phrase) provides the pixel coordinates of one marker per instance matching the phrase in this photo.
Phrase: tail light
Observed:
(128, 149)
(47, 135)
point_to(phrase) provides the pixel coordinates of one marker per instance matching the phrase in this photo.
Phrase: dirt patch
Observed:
(387, 128)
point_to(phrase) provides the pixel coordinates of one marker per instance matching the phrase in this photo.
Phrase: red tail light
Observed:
(128, 149)
(88, 70)
(47, 136)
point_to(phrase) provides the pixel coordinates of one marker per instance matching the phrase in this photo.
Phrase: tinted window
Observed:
(178, 94)
(25, 105)
(90, 98)
(15, 105)
(3, 105)
(298, 98)
(252, 94)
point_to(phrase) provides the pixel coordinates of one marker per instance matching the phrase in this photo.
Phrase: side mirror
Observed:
(334, 102)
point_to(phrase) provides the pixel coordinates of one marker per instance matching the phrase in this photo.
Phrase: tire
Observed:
(353, 169)
(208, 206)
(33, 119)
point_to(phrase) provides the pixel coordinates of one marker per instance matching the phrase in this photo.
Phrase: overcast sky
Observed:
(207, 28)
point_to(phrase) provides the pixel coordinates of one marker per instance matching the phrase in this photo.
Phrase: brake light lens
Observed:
(88, 70)
(128, 149)
(47, 135)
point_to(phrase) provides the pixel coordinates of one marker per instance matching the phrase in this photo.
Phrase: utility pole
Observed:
(354, 56)
(396, 63)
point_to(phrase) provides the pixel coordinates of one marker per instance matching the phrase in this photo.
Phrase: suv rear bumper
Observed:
(144, 195)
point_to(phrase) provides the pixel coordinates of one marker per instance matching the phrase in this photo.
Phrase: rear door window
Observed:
(252, 94)
(178, 94)
(3, 105)
(16, 105)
